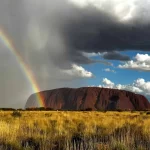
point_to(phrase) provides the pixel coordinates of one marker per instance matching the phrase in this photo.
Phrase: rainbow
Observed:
(9, 44)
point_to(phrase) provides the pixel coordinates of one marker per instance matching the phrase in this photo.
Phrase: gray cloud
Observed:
(115, 56)
(52, 35)
(94, 31)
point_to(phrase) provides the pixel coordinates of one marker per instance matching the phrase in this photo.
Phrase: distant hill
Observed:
(94, 98)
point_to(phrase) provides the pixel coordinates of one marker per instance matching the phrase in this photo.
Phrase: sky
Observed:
(72, 43)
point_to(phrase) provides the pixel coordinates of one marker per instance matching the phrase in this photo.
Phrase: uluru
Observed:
(94, 98)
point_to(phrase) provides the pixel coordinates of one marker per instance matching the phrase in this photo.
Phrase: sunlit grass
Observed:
(48, 128)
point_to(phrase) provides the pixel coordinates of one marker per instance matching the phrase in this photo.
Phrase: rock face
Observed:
(90, 97)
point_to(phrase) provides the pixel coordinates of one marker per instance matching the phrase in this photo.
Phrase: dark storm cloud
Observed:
(115, 56)
(78, 58)
(92, 30)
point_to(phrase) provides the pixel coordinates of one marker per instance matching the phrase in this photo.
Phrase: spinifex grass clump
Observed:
(68, 130)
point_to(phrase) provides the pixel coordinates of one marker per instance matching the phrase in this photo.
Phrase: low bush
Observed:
(7, 109)
(16, 114)
(148, 113)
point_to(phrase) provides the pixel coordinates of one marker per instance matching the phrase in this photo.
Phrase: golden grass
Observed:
(48, 128)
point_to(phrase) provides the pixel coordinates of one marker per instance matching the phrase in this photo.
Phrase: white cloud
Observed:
(143, 85)
(109, 70)
(140, 62)
(138, 86)
(131, 88)
(143, 58)
(107, 83)
(78, 72)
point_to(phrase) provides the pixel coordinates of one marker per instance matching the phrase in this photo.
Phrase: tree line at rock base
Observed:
(51, 109)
